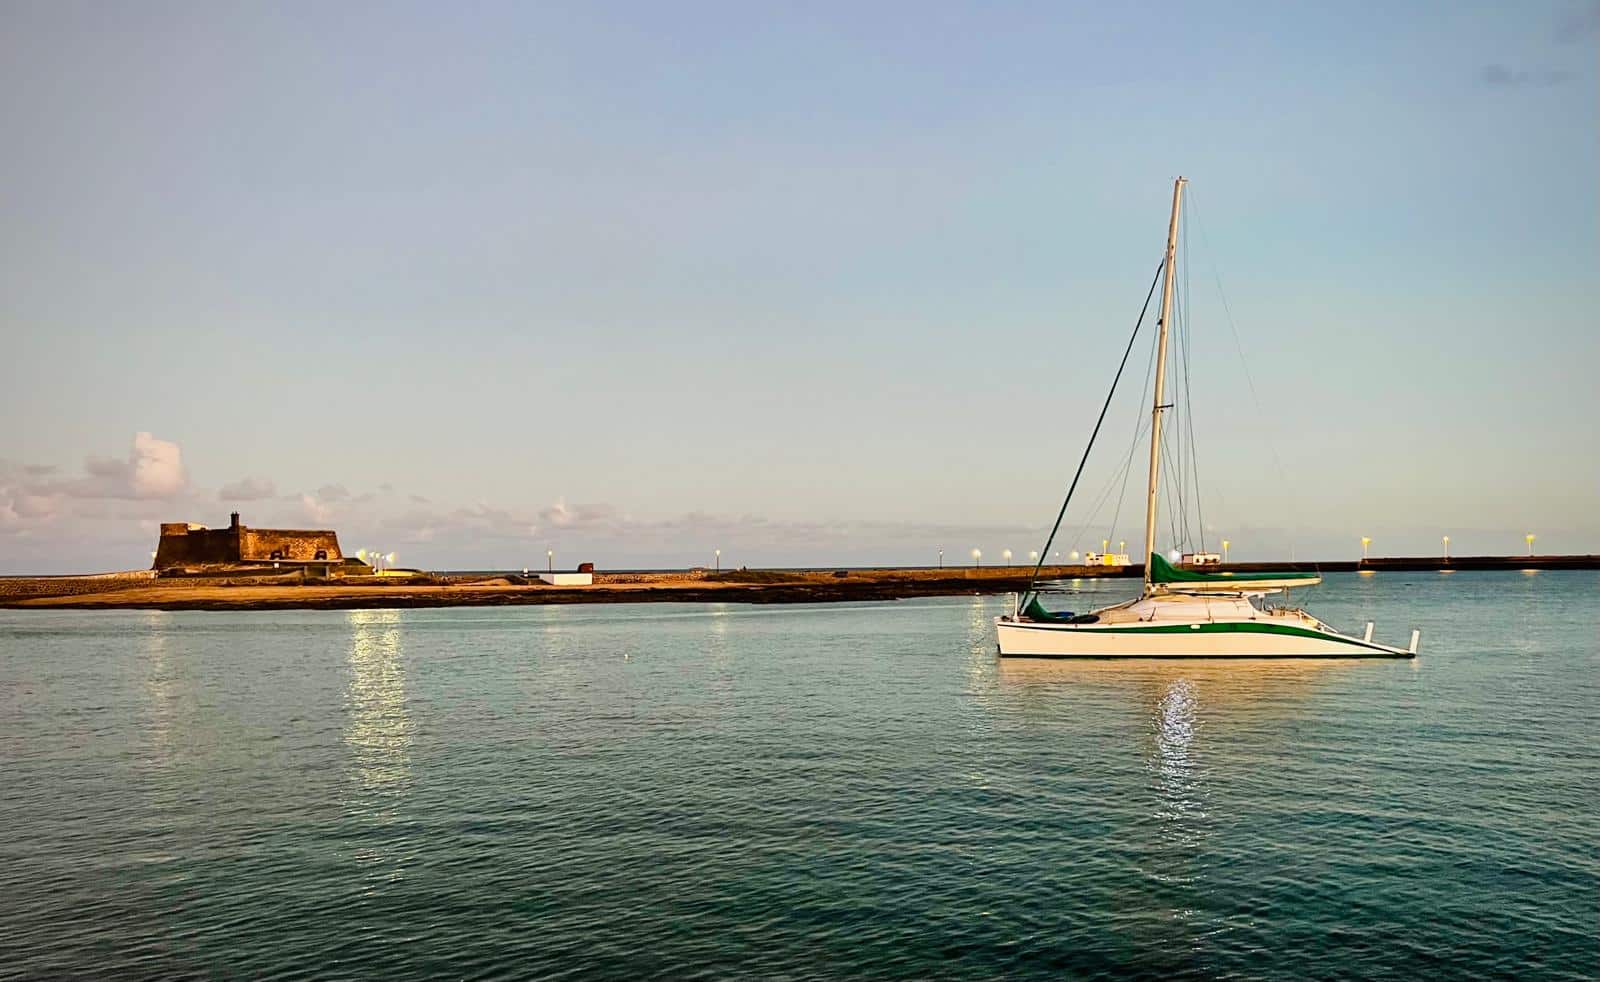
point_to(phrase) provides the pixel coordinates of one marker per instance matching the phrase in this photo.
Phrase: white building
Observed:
(1105, 559)
(568, 579)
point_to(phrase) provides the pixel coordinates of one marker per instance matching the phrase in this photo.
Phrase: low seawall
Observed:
(23, 587)
(141, 591)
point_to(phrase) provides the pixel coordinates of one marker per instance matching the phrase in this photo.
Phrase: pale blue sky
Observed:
(812, 283)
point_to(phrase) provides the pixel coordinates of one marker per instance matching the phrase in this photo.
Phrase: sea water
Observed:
(799, 791)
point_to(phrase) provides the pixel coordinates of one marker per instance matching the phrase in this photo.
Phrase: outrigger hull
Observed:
(1245, 639)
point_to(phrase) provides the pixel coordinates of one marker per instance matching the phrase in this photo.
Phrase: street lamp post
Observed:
(1530, 537)
(1224, 552)
(1366, 540)
(977, 557)
(550, 560)
(719, 560)
(941, 559)
(1006, 555)
(1447, 548)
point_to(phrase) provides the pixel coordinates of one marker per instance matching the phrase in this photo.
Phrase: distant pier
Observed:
(143, 590)
(1426, 563)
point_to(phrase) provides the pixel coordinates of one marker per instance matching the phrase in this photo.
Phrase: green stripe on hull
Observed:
(1363, 653)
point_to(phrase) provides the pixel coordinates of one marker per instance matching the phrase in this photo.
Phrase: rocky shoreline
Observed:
(754, 587)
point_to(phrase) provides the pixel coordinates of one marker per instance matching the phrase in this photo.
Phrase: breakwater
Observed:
(695, 586)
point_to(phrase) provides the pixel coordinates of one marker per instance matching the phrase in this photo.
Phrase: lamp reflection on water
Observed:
(160, 688)
(378, 730)
(1180, 796)
(980, 641)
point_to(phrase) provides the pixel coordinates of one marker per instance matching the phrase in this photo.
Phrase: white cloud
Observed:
(316, 511)
(248, 489)
(153, 470)
(157, 467)
(561, 515)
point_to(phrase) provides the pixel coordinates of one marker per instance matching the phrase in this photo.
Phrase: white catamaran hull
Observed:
(1225, 640)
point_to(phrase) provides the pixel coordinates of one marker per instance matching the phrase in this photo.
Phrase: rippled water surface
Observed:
(799, 791)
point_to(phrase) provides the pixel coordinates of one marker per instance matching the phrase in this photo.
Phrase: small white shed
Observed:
(568, 579)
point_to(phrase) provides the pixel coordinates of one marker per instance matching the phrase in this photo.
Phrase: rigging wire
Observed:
(1180, 411)
(1188, 398)
(1045, 552)
(1174, 514)
(1255, 399)
(1141, 422)
(1119, 473)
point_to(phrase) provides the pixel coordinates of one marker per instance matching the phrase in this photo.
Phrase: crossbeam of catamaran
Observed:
(1179, 612)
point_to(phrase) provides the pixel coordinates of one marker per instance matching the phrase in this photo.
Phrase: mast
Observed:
(1157, 408)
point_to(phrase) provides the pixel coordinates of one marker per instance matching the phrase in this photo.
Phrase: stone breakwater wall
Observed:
(18, 587)
(678, 576)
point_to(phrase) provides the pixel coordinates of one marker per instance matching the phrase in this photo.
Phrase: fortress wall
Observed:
(180, 544)
(260, 544)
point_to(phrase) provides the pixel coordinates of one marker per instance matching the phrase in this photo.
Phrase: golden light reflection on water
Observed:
(161, 696)
(378, 729)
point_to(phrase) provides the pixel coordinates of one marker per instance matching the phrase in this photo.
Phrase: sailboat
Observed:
(1181, 612)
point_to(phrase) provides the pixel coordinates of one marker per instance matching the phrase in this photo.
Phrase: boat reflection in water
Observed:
(1213, 682)
(378, 729)
(1189, 729)
(1183, 705)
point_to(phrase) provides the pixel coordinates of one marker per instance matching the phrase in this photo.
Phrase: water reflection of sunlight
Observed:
(378, 731)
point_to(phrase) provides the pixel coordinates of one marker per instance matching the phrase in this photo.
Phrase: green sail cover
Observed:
(1035, 611)
(1162, 571)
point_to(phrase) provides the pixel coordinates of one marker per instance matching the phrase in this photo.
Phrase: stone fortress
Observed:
(185, 544)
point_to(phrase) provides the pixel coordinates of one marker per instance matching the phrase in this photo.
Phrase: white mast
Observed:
(1161, 382)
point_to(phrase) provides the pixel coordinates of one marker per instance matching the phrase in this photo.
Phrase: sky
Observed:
(812, 284)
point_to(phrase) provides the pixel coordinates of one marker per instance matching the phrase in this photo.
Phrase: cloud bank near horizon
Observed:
(108, 516)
